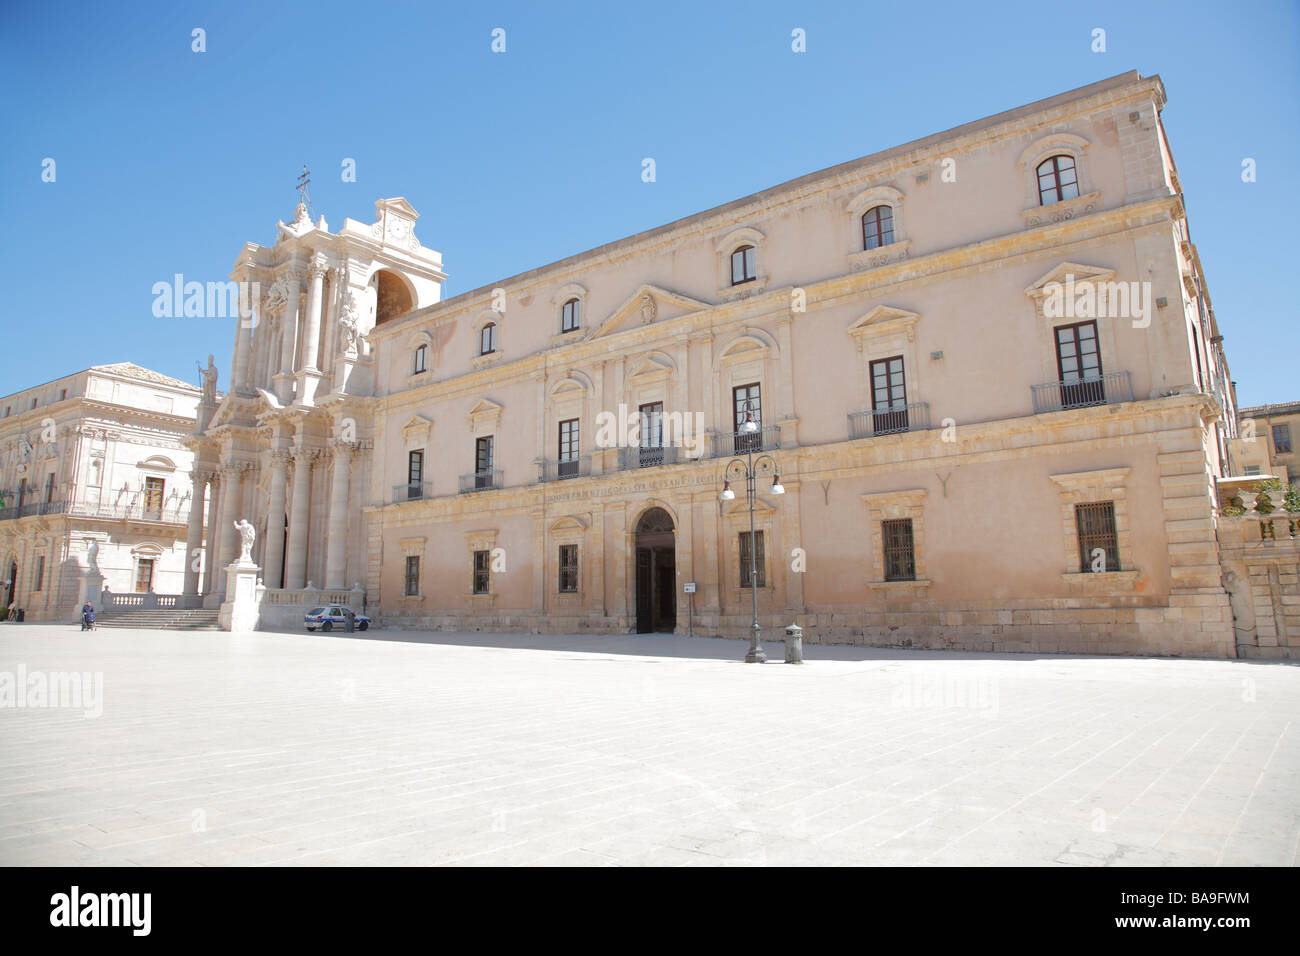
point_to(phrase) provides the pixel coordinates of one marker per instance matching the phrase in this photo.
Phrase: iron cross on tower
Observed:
(304, 187)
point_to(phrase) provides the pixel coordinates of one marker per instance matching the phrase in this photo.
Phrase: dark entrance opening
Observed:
(11, 587)
(656, 573)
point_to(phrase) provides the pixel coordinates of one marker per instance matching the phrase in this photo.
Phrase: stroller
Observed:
(88, 618)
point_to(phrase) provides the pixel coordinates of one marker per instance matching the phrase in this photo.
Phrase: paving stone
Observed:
(479, 749)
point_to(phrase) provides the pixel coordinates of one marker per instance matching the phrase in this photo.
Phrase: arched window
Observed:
(422, 359)
(487, 339)
(1057, 179)
(569, 316)
(742, 265)
(877, 227)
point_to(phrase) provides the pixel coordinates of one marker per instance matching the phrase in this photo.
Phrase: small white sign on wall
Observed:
(688, 587)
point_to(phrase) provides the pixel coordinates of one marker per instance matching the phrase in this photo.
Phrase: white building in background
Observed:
(94, 476)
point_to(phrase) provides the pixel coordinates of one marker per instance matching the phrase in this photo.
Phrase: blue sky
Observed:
(169, 160)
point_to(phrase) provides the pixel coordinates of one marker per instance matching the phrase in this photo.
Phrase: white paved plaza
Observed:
(400, 748)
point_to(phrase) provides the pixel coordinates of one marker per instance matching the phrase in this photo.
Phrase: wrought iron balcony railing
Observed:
(648, 456)
(558, 470)
(412, 491)
(765, 439)
(168, 512)
(1108, 389)
(890, 421)
(480, 481)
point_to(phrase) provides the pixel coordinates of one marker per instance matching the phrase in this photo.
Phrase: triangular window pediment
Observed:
(646, 306)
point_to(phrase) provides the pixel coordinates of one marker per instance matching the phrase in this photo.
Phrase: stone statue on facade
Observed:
(92, 555)
(277, 297)
(649, 311)
(247, 534)
(209, 382)
(348, 326)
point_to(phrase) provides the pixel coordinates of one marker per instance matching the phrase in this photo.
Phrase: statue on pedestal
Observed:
(247, 534)
(209, 382)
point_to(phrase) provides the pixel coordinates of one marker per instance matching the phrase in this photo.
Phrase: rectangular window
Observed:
(483, 462)
(49, 487)
(742, 265)
(652, 434)
(482, 576)
(1196, 350)
(900, 552)
(415, 474)
(568, 569)
(752, 561)
(1078, 362)
(568, 448)
(144, 575)
(412, 575)
(1098, 541)
(40, 572)
(746, 400)
(569, 316)
(1252, 470)
(888, 396)
(1282, 439)
(153, 497)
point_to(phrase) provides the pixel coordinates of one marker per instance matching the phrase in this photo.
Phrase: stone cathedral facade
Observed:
(984, 364)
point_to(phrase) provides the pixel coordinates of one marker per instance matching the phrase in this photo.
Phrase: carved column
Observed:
(244, 325)
(213, 531)
(289, 325)
(311, 343)
(336, 549)
(295, 571)
(274, 550)
(226, 533)
(194, 532)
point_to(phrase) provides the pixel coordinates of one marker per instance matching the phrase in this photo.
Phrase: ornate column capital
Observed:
(317, 266)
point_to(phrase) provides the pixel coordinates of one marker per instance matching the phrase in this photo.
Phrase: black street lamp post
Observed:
(749, 470)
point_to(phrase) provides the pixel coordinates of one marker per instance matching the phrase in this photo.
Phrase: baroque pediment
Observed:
(1069, 271)
(647, 305)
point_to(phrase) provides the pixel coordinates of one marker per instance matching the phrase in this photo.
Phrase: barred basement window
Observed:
(412, 576)
(900, 551)
(1095, 522)
(568, 569)
(482, 578)
(755, 563)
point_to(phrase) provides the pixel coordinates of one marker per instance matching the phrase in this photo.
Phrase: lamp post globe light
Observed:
(749, 469)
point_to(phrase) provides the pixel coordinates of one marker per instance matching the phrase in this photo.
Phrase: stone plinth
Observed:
(241, 611)
(90, 585)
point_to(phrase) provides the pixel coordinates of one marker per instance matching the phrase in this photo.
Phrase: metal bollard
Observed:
(794, 644)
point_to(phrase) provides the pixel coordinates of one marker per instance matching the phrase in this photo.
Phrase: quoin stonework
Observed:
(985, 363)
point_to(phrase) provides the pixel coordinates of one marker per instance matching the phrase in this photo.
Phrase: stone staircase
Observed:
(159, 619)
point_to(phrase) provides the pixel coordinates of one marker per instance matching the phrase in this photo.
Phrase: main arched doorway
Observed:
(656, 573)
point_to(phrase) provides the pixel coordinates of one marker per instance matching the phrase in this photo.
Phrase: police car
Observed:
(330, 617)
